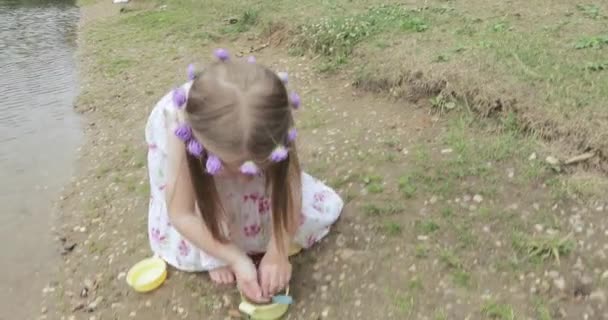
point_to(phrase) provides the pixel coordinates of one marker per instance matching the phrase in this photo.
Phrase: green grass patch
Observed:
(426, 227)
(375, 210)
(542, 248)
(498, 311)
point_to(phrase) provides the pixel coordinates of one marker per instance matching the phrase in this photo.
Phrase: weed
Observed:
(404, 303)
(589, 10)
(461, 278)
(498, 311)
(440, 315)
(375, 210)
(542, 312)
(422, 251)
(392, 228)
(407, 186)
(415, 284)
(542, 248)
(500, 27)
(447, 212)
(373, 184)
(336, 37)
(595, 42)
(426, 227)
(596, 66)
(450, 259)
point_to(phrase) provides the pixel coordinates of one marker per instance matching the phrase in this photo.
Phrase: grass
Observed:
(541, 249)
(375, 210)
(498, 311)
(426, 226)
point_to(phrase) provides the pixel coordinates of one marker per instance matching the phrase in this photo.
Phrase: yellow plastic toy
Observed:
(270, 311)
(147, 274)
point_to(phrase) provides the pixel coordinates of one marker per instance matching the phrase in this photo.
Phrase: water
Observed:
(38, 136)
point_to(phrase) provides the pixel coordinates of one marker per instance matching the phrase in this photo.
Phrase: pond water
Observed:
(39, 135)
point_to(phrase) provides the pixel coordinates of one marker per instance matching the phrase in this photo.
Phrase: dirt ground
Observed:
(450, 215)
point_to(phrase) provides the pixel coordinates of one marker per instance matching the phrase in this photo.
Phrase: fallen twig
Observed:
(582, 157)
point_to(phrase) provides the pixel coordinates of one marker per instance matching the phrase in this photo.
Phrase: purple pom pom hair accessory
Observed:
(251, 59)
(179, 97)
(195, 148)
(183, 132)
(191, 72)
(284, 77)
(278, 154)
(292, 134)
(249, 168)
(213, 165)
(222, 54)
(295, 100)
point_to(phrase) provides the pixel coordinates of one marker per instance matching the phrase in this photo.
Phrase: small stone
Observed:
(405, 151)
(605, 275)
(324, 288)
(357, 303)
(93, 305)
(180, 310)
(598, 296)
(233, 313)
(477, 198)
(227, 300)
(560, 283)
(412, 268)
(92, 318)
(328, 278)
(447, 151)
(133, 314)
(552, 160)
(148, 303)
(423, 238)
(539, 227)
(72, 317)
(433, 200)
(325, 313)
(532, 156)
(346, 254)
(121, 275)
(44, 310)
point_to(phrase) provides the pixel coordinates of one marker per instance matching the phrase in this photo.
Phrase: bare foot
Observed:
(223, 275)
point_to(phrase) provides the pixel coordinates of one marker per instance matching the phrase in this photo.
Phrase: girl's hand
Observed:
(247, 279)
(275, 273)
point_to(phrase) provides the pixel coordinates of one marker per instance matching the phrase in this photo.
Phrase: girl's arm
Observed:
(183, 212)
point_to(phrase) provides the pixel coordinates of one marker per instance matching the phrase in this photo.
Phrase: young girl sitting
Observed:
(226, 181)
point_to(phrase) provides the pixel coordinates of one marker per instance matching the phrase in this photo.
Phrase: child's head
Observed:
(240, 112)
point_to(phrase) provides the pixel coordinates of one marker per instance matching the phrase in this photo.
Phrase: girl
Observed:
(226, 181)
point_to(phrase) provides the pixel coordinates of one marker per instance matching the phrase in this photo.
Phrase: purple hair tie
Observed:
(179, 97)
(214, 164)
(294, 98)
(195, 148)
(292, 134)
(278, 154)
(191, 72)
(283, 76)
(183, 132)
(251, 59)
(249, 168)
(222, 54)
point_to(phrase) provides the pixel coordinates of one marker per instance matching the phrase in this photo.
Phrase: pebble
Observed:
(605, 275)
(598, 296)
(560, 283)
(325, 313)
(552, 160)
(132, 314)
(478, 198)
(532, 156)
(357, 303)
(447, 151)
(433, 200)
(148, 303)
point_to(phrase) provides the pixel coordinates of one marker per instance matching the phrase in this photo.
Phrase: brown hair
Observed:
(242, 110)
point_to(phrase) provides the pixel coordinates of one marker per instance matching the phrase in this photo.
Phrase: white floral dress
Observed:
(248, 202)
